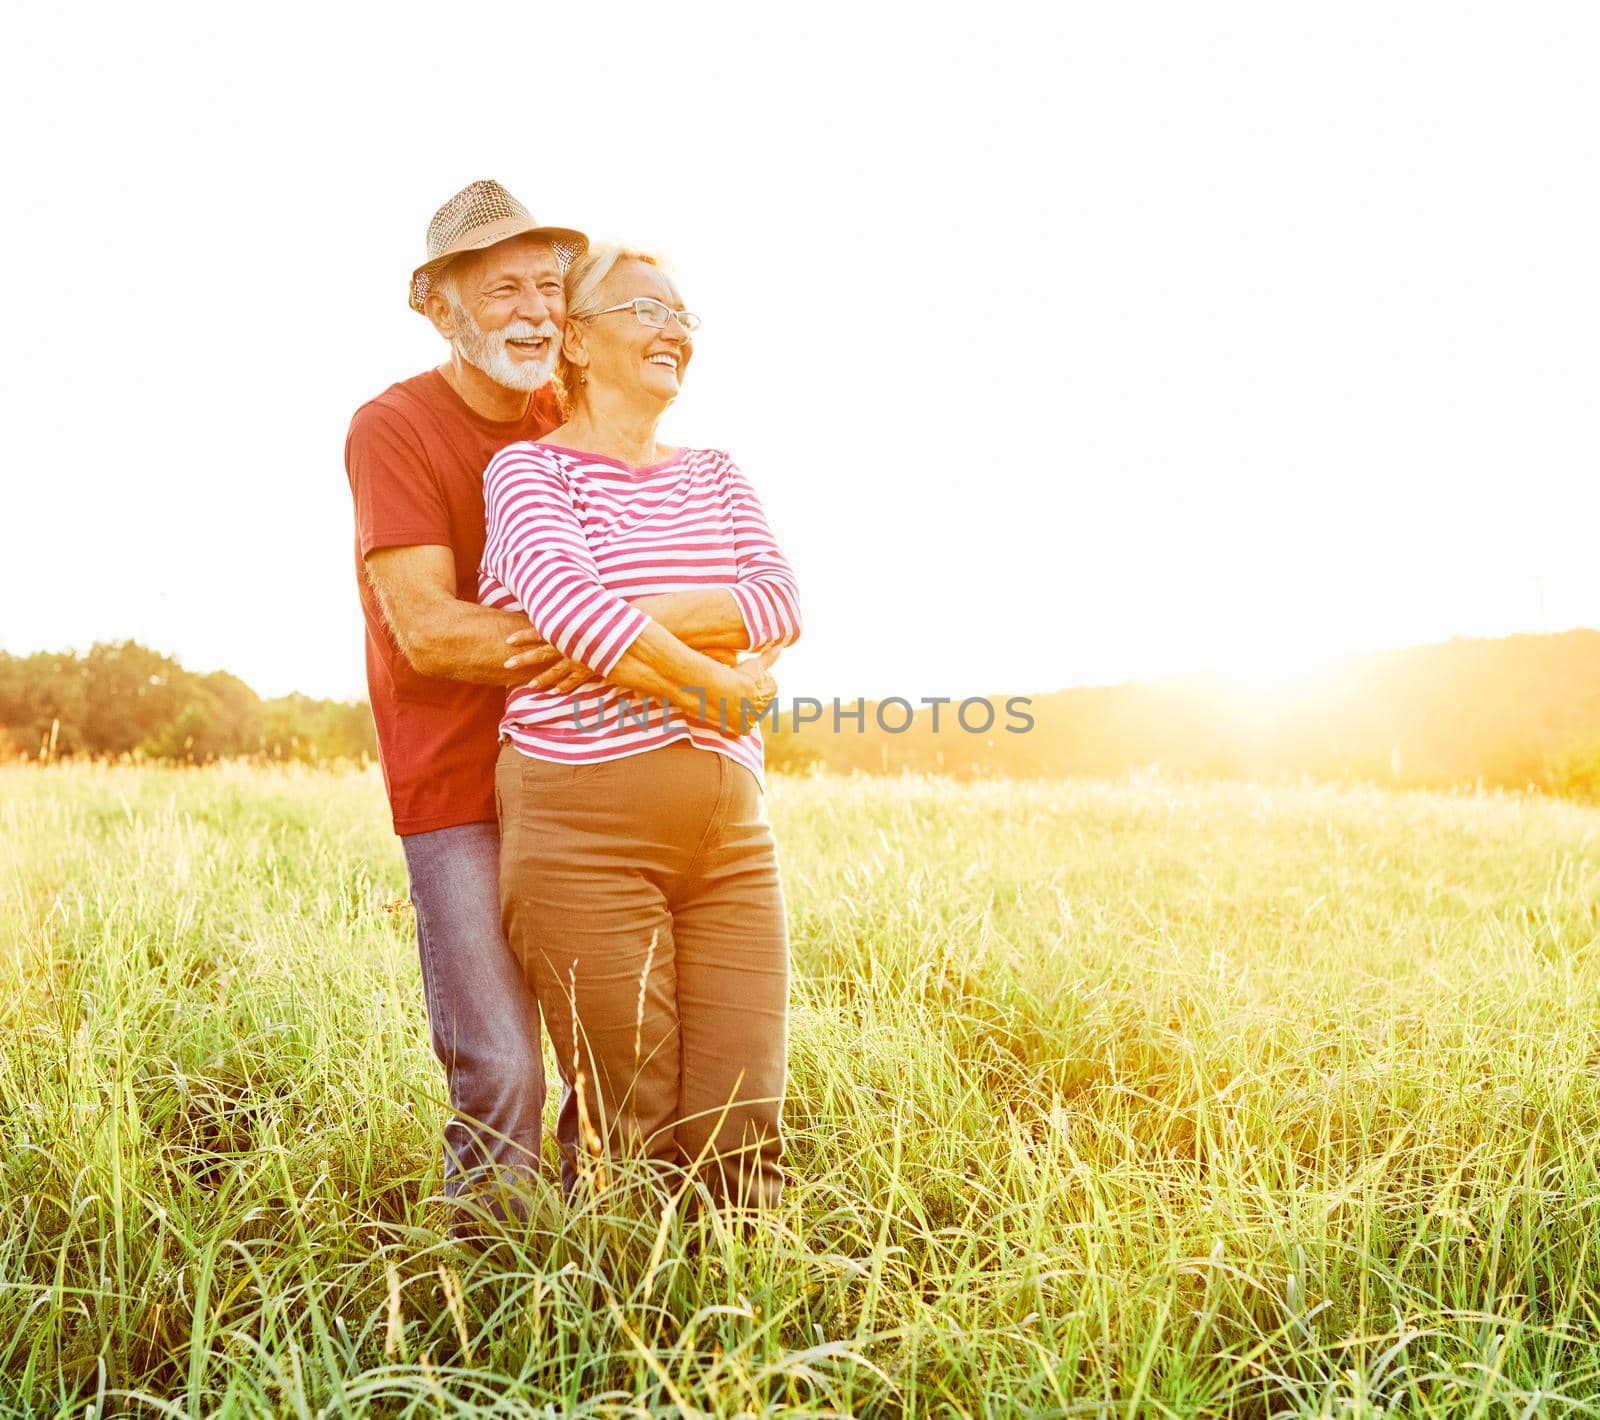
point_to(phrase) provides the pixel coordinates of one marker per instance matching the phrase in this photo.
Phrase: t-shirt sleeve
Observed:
(766, 591)
(398, 502)
(536, 548)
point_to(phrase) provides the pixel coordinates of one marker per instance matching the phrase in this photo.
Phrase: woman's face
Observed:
(627, 355)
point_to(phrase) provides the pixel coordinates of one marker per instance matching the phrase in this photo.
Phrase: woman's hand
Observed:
(747, 692)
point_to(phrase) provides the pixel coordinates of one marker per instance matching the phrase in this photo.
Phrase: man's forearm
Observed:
(460, 640)
(706, 619)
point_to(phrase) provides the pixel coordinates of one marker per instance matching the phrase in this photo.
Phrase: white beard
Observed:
(486, 350)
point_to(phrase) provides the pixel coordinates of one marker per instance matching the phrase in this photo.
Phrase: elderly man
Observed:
(438, 664)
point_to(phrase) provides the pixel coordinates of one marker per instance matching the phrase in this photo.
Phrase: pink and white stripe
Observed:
(573, 536)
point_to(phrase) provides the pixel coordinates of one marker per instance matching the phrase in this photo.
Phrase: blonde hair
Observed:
(584, 279)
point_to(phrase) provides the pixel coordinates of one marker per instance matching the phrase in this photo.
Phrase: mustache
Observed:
(527, 330)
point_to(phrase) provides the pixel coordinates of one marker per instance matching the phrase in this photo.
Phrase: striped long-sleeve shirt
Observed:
(574, 536)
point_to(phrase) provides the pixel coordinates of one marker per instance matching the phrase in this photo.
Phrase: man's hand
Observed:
(554, 672)
(548, 668)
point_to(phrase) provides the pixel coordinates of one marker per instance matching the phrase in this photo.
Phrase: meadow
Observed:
(1129, 1097)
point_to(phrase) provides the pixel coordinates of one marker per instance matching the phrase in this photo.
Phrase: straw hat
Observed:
(478, 216)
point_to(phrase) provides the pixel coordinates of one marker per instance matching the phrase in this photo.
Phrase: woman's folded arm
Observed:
(535, 547)
(767, 595)
(707, 618)
(760, 609)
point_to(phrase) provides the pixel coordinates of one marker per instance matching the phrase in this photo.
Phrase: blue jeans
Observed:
(483, 1020)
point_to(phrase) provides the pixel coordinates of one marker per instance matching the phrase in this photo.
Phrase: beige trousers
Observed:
(642, 897)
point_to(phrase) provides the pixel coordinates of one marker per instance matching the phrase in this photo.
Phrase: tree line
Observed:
(121, 698)
(1516, 712)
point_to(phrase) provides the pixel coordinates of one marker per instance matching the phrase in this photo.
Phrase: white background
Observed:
(1064, 344)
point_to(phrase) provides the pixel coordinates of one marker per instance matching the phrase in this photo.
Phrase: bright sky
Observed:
(1063, 343)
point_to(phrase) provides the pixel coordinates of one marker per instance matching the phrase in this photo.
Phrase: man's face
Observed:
(507, 311)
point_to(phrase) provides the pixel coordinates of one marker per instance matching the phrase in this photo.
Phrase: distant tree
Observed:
(300, 728)
(123, 698)
(1574, 771)
(41, 696)
(217, 716)
(785, 751)
(134, 694)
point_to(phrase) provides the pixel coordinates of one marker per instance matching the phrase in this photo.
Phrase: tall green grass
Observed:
(1126, 1098)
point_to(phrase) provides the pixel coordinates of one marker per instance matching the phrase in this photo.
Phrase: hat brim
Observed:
(567, 242)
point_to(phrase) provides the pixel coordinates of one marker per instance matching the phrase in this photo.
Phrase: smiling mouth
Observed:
(531, 347)
(667, 360)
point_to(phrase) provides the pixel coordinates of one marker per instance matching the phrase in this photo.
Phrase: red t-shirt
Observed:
(415, 457)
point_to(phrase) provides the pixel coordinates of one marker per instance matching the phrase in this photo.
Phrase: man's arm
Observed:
(450, 639)
(441, 635)
(403, 532)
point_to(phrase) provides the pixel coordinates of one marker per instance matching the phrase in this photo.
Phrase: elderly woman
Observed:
(638, 873)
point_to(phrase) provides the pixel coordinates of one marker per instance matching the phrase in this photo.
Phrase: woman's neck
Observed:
(618, 428)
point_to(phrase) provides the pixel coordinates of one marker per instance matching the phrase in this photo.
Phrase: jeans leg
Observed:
(482, 1018)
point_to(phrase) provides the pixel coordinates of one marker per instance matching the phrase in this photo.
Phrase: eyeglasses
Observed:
(653, 312)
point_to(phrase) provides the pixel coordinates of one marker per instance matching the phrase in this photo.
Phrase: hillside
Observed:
(1511, 712)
